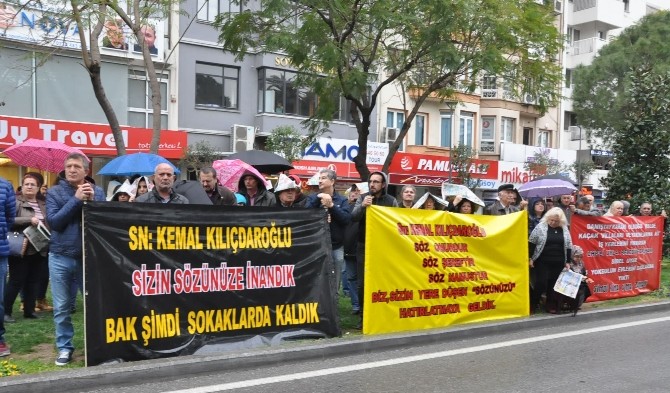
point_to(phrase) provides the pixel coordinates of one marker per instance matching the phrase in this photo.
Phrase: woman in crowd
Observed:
(550, 248)
(407, 196)
(124, 193)
(142, 185)
(25, 273)
(429, 201)
(577, 266)
(462, 205)
(615, 210)
(536, 210)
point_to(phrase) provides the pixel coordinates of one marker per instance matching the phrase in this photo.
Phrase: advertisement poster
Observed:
(428, 269)
(170, 280)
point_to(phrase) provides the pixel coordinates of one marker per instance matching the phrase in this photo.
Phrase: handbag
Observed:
(38, 236)
(17, 244)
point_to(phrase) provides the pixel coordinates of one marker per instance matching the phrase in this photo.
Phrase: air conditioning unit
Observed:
(243, 138)
(528, 98)
(389, 135)
(558, 6)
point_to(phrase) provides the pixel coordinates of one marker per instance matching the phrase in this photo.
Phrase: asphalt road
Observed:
(625, 354)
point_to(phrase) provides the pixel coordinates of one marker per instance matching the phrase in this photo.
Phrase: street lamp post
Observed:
(579, 161)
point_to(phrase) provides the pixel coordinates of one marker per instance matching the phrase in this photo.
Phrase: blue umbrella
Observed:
(136, 163)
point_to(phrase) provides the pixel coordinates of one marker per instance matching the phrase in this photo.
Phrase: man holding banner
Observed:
(339, 216)
(64, 209)
(376, 196)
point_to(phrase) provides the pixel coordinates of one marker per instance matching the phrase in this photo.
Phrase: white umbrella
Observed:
(449, 189)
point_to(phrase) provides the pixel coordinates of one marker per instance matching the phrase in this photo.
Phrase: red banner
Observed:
(426, 166)
(91, 138)
(621, 254)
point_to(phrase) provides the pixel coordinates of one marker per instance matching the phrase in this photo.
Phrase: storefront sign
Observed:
(52, 26)
(308, 168)
(420, 165)
(90, 138)
(345, 150)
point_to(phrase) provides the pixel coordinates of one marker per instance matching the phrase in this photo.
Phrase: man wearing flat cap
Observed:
(505, 203)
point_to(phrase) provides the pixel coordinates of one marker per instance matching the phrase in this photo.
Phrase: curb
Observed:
(153, 370)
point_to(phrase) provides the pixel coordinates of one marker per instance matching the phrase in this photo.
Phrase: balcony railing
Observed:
(589, 45)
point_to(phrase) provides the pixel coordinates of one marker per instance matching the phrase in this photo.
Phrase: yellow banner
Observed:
(427, 269)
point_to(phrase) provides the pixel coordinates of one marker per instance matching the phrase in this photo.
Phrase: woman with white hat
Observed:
(286, 192)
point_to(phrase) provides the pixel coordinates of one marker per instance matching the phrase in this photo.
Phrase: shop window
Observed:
(209, 9)
(419, 130)
(140, 111)
(487, 137)
(544, 138)
(281, 93)
(507, 129)
(466, 128)
(216, 86)
(445, 129)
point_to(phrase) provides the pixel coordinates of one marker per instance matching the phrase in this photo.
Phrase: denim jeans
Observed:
(3, 280)
(352, 279)
(64, 273)
(338, 261)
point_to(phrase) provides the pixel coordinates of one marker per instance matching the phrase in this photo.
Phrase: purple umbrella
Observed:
(545, 188)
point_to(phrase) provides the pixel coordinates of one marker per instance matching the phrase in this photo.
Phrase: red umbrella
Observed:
(44, 155)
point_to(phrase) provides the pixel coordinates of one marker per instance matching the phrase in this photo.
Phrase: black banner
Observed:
(169, 280)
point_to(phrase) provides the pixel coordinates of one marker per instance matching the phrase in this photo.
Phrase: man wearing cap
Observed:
(505, 203)
(339, 216)
(286, 191)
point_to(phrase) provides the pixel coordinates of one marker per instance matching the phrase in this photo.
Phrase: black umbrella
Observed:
(193, 191)
(264, 161)
(556, 176)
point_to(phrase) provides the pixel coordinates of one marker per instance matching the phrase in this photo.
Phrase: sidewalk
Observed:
(166, 369)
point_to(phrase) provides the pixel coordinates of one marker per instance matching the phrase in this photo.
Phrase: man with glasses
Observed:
(376, 196)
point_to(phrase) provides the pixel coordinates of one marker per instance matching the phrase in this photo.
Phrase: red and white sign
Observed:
(308, 168)
(621, 254)
(90, 138)
(427, 170)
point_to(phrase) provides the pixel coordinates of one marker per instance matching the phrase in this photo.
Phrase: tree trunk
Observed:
(99, 91)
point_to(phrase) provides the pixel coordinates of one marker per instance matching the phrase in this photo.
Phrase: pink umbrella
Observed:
(229, 173)
(43, 155)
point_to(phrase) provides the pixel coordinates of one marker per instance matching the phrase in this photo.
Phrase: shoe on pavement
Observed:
(9, 319)
(64, 357)
(4, 350)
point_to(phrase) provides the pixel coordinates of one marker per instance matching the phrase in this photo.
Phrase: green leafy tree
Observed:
(198, 155)
(599, 92)
(641, 144)
(287, 142)
(542, 164)
(353, 49)
(462, 161)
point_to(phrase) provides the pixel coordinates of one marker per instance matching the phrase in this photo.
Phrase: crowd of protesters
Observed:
(60, 208)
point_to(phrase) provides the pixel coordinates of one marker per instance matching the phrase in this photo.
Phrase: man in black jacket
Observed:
(350, 245)
(218, 194)
(376, 196)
